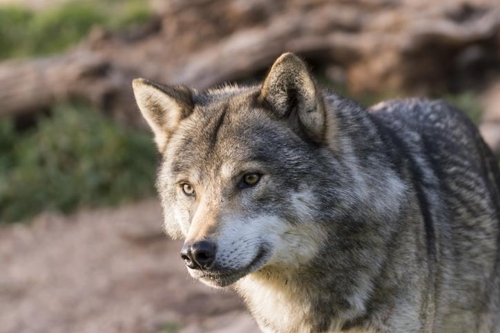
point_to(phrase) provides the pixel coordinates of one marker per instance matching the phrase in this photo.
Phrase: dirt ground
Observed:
(109, 270)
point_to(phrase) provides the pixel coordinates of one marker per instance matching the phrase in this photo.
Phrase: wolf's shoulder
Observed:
(435, 121)
(423, 114)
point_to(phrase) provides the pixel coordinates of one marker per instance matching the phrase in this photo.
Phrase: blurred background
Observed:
(81, 246)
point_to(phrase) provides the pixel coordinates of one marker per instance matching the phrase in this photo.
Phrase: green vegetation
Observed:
(467, 102)
(24, 32)
(170, 327)
(76, 157)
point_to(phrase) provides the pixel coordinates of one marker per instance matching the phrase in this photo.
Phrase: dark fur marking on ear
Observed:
(289, 92)
(181, 94)
(163, 107)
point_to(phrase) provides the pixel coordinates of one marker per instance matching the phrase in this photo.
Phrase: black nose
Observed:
(198, 255)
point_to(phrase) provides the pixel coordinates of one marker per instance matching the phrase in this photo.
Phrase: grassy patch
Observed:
(467, 102)
(76, 157)
(170, 327)
(24, 32)
(13, 34)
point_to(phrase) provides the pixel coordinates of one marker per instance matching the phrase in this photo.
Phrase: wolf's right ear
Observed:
(163, 107)
(291, 93)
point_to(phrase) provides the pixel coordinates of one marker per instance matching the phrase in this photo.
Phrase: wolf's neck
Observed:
(373, 188)
(276, 302)
(301, 303)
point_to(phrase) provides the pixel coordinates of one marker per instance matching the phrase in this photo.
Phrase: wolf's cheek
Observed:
(298, 244)
(241, 240)
(175, 217)
(289, 234)
(181, 217)
(298, 236)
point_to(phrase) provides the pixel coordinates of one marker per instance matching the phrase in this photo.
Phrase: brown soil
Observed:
(106, 271)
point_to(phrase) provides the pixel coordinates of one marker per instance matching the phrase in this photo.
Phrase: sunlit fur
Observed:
(363, 220)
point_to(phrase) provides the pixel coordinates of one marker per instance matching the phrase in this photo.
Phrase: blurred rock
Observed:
(491, 134)
(490, 126)
(336, 74)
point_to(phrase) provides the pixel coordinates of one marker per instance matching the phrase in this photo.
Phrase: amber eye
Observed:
(187, 189)
(251, 179)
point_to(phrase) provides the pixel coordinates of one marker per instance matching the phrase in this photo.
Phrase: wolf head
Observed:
(242, 173)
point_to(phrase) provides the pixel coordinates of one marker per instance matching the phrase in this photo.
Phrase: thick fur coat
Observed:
(328, 217)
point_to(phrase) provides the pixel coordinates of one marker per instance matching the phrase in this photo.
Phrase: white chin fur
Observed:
(220, 277)
(245, 245)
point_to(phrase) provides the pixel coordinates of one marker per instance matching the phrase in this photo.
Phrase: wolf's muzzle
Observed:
(198, 255)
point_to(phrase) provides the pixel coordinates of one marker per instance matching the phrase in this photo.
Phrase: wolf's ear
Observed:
(290, 92)
(163, 107)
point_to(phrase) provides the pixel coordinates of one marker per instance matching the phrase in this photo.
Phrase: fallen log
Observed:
(381, 45)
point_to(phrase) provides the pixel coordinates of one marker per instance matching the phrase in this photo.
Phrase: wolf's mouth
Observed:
(226, 278)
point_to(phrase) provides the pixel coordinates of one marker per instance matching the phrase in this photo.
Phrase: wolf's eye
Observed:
(251, 179)
(187, 189)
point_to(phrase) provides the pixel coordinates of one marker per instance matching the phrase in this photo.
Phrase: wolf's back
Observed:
(458, 185)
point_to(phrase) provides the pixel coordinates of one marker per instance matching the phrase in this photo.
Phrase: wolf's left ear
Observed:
(163, 107)
(291, 94)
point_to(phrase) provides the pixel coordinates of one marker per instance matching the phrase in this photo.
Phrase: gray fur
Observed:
(378, 220)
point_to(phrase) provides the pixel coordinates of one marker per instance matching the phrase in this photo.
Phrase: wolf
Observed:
(326, 216)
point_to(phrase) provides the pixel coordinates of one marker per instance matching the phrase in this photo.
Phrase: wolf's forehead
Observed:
(229, 131)
(224, 126)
